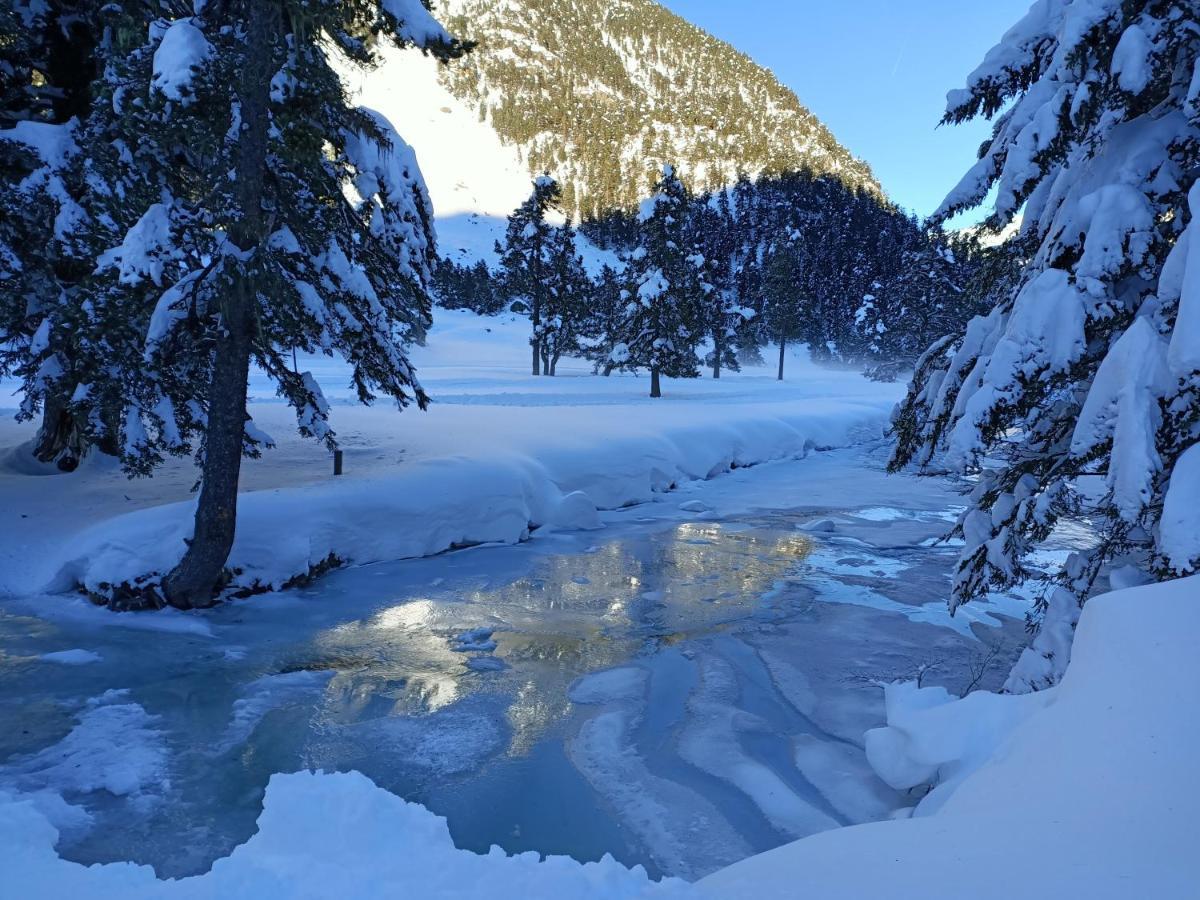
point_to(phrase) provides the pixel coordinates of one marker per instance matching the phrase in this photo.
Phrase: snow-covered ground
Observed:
(499, 452)
(1088, 790)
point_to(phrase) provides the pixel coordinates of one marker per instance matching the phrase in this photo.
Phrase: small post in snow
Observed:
(337, 462)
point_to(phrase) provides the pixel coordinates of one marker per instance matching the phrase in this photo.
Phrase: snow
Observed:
(77, 657)
(1052, 800)
(1183, 267)
(1180, 524)
(323, 835)
(1122, 406)
(609, 686)
(416, 24)
(115, 747)
(474, 179)
(182, 51)
(498, 455)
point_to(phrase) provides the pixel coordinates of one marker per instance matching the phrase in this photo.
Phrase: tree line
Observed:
(706, 281)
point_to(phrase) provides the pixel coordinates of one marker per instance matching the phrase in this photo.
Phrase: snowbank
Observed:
(498, 454)
(438, 504)
(321, 836)
(1094, 794)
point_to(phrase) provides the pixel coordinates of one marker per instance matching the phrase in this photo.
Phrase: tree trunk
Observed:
(196, 580)
(782, 347)
(535, 316)
(716, 356)
(58, 439)
(655, 386)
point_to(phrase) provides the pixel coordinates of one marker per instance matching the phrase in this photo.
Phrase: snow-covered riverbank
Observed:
(498, 454)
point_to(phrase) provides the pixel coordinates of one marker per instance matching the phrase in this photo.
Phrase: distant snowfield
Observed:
(499, 453)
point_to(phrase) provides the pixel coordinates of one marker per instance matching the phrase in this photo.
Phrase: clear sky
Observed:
(876, 72)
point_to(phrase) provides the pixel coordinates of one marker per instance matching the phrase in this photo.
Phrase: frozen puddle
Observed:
(680, 694)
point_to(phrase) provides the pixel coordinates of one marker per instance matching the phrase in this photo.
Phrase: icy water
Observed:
(678, 694)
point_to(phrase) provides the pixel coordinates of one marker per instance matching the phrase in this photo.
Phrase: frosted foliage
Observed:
(1122, 407)
(182, 51)
(1180, 526)
(1043, 334)
(416, 24)
(1183, 268)
(1077, 397)
(390, 184)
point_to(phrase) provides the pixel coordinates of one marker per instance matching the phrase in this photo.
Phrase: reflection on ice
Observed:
(679, 696)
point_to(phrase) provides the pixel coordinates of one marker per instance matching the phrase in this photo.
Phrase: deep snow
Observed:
(497, 454)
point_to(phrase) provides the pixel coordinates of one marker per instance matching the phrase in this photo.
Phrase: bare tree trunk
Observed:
(782, 347)
(196, 580)
(535, 315)
(655, 386)
(716, 356)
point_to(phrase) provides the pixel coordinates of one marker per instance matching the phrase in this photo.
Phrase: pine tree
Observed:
(607, 300)
(525, 257)
(239, 209)
(568, 292)
(46, 79)
(1087, 374)
(662, 324)
(785, 279)
(716, 241)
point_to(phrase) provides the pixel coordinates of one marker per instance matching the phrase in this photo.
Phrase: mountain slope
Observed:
(601, 92)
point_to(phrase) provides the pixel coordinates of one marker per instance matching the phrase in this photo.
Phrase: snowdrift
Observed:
(1094, 794)
(462, 500)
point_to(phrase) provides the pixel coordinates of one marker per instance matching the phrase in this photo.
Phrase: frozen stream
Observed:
(681, 689)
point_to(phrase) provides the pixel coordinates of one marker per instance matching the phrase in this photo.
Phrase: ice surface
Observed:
(360, 671)
(625, 683)
(71, 657)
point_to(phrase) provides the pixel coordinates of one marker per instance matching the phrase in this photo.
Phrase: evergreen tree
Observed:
(526, 257)
(607, 300)
(662, 324)
(1086, 374)
(568, 292)
(46, 79)
(716, 241)
(784, 284)
(236, 208)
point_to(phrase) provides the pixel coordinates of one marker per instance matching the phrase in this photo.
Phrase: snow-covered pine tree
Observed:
(1078, 395)
(785, 288)
(715, 238)
(568, 293)
(920, 296)
(662, 324)
(246, 211)
(605, 311)
(525, 256)
(46, 77)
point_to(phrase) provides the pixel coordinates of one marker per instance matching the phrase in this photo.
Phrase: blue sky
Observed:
(876, 72)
